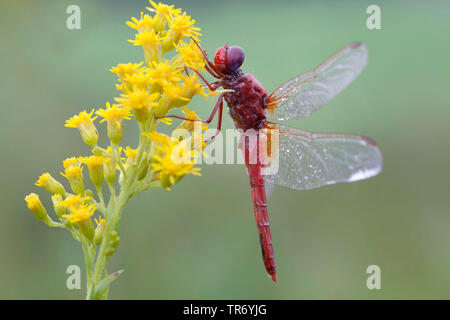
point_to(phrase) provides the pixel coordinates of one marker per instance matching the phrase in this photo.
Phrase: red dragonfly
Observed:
(306, 160)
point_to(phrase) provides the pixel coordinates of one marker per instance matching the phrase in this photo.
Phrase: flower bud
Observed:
(114, 115)
(110, 171)
(121, 177)
(150, 41)
(131, 156)
(140, 101)
(35, 206)
(59, 210)
(167, 181)
(115, 131)
(95, 165)
(74, 175)
(179, 27)
(84, 123)
(143, 171)
(89, 193)
(47, 182)
(99, 230)
(113, 243)
(89, 134)
(87, 228)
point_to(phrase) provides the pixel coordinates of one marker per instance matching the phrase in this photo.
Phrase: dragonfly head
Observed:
(228, 59)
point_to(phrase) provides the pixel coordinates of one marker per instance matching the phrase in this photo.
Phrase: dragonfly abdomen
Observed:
(262, 217)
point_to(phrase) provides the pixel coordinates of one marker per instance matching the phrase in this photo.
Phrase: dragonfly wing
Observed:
(302, 95)
(269, 184)
(309, 160)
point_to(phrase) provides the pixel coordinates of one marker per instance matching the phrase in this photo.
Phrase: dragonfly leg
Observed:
(212, 72)
(219, 121)
(212, 86)
(218, 106)
(210, 67)
(181, 118)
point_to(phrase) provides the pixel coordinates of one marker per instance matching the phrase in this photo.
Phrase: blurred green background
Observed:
(199, 241)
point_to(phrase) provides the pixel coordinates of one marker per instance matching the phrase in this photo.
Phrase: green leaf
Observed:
(100, 290)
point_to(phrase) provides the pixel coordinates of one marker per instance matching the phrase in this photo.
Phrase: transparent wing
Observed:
(269, 185)
(309, 160)
(306, 93)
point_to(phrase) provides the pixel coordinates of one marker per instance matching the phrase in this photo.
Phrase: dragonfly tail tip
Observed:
(274, 277)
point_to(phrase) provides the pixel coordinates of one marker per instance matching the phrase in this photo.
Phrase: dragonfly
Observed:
(305, 160)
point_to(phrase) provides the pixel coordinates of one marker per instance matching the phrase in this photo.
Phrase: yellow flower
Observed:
(139, 80)
(171, 98)
(164, 13)
(100, 221)
(139, 101)
(172, 92)
(95, 166)
(150, 41)
(110, 151)
(176, 160)
(72, 202)
(190, 114)
(197, 143)
(146, 23)
(192, 87)
(35, 206)
(124, 69)
(157, 137)
(164, 9)
(131, 156)
(191, 125)
(98, 236)
(81, 213)
(110, 167)
(33, 201)
(121, 87)
(74, 174)
(93, 161)
(80, 119)
(180, 27)
(167, 121)
(84, 123)
(114, 115)
(59, 210)
(189, 55)
(47, 182)
(163, 73)
(69, 162)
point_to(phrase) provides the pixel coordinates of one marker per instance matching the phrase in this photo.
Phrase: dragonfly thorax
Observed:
(247, 101)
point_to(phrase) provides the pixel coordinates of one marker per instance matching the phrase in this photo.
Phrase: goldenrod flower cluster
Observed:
(148, 90)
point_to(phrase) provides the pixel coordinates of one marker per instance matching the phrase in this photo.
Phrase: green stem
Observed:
(116, 205)
(88, 264)
(113, 214)
(100, 196)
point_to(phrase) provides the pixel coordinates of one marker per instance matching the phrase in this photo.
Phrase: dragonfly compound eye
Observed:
(235, 58)
(228, 59)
